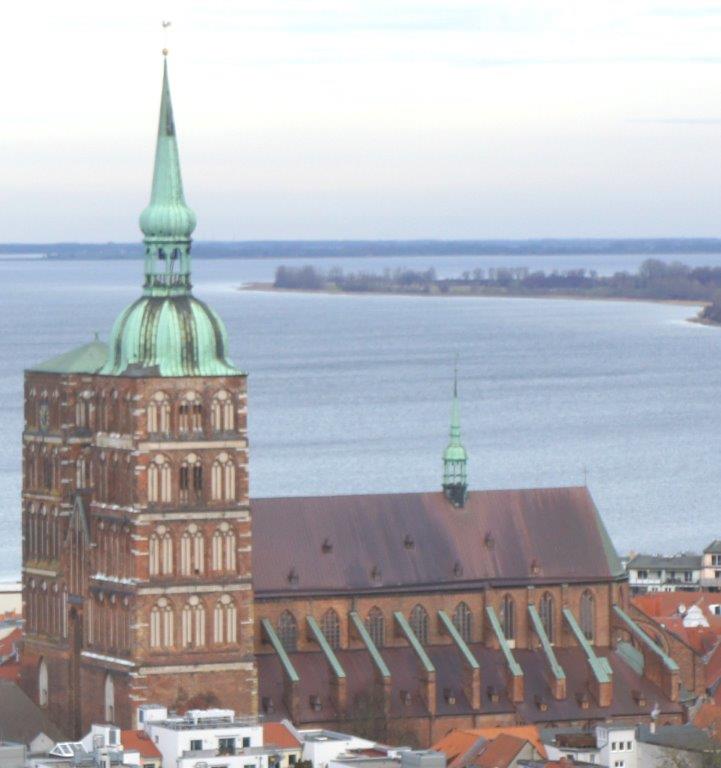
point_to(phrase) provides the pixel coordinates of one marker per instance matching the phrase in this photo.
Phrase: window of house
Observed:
(614, 746)
(642, 574)
(629, 745)
(226, 746)
(620, 746)
(687, 576)
(196, 745)
(246, 741)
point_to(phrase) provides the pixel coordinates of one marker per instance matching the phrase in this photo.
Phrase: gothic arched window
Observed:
(223, 478)
(223, 549)
(546, 614)
(288, 631)
(109, 699)
(330, 626)
(158, 412)
(419, 623)
(161, 624)
(376, 626)
(193, 623)
(43, 683)
(221, 413)
(159, 474)
(588, 615)
(225, 621)
(190, 479)
(190, 414)
(463, 621)
(508, 618)
(192, 551)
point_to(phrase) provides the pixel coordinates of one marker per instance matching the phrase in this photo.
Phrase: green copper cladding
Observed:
(168, 332)
(455, 458)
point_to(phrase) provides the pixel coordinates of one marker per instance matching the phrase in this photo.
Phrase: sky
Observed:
(307, 119)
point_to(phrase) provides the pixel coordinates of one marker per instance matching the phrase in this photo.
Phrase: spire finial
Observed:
(166, 27)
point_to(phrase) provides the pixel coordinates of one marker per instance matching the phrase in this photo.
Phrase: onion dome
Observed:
(167, 331)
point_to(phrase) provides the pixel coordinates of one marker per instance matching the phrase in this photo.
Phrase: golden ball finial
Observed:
(165, 51)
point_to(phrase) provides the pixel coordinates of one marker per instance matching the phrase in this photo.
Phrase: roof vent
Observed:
(488, 540)
(583, 699)
(540, 703)
(376, 573)
(639, 697)
(315, 703)
(492, 694)
(449, 696)
(292, 576)
(326, 546)
(457, 569)
(406, 697)
(408, 542)
(268, 705)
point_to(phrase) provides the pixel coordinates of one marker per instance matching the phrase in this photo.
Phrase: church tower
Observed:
(136, 521)
(455, 458)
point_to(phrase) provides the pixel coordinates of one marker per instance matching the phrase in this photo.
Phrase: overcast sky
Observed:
(366, 118)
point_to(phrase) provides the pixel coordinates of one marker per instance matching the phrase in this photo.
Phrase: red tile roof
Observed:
(279, 735)
(352, 543)
(140, 741)
(488, 747)
(500, 752)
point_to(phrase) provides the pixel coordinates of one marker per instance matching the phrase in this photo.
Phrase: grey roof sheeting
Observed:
(682, 561)
(337, 544)
(21, 719)
(714, 547)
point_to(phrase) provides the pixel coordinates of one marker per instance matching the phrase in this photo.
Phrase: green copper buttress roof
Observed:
(89, 358)
(167, 331)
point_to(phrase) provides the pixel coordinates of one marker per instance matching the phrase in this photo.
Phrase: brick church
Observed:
(149, 576)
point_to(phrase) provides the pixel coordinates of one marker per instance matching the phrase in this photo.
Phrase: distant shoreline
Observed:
(270, 288)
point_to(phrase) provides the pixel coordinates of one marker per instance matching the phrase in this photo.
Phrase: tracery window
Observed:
(223, 549)
(160, 552)
(223, 478)
(288, 631)
(419, 623)
(546, 614)
(159, 475)
(588, 615)
(225, 620)
(191, 479)
(109, 699)
(221, 413)
(376, 626)
(158, 413)
(190, 414)
(192, 551)
(330, 626)
(463, 621)
(161, 624)
(508, 618)
(193, 623)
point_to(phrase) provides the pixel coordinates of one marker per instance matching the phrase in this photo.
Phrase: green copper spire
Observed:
(167, 222)
(167, 331)
(455, 458)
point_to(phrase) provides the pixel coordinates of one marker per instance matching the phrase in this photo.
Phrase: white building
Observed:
(215, 738)
(611, 746)
(659, 573)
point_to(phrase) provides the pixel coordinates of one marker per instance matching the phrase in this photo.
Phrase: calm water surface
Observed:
(351, 393)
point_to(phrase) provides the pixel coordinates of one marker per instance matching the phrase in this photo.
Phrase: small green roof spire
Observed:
(455, 458)
(167, 222)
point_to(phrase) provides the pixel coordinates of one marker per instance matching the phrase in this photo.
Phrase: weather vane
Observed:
(166, 25)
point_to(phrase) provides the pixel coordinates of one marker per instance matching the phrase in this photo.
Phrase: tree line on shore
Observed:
(655, 279)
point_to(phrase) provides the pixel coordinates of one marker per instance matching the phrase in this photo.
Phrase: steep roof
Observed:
(278, 735)
(499, 753)
(21, 719)
(419, 540)
(89, 358)
(714, 547)
(140, 741)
